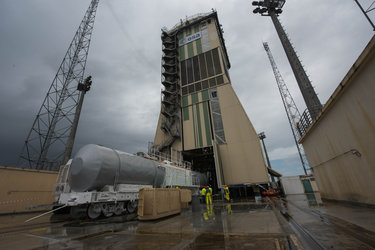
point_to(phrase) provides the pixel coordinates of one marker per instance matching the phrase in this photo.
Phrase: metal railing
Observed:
(168, 158)
(306, 120)
(187, 19)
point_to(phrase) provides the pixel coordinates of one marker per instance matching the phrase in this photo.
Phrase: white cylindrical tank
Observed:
(94, 167)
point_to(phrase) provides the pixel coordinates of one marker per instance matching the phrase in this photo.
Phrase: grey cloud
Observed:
(122, 108)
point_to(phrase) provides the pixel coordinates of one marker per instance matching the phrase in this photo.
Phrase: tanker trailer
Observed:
(100, 180)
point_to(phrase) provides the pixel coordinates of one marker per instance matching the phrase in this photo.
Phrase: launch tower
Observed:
(202, 120)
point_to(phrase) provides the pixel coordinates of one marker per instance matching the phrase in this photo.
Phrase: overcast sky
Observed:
(122, 108)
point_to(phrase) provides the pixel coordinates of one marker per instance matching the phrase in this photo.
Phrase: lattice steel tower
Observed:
(46, 142)
(272, 8)
(290, 107)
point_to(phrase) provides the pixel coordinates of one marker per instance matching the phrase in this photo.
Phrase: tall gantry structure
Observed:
(290, 106)
(46, 143)
(273, 8)
(201, 120)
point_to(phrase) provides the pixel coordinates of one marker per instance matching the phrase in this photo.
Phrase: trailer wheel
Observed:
(106, 210)
(94, 211)
(120, 208)
(132, 206)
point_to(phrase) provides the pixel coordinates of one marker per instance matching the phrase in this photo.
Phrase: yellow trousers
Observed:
(227, 196)
(208, 199)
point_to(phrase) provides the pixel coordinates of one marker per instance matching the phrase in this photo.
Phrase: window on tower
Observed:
(201, 72)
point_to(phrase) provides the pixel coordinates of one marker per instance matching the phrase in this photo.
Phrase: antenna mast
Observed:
(290, 107)
(47, 140)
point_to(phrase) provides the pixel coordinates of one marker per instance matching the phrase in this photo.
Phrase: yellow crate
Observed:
(185, 195)
(155, 203)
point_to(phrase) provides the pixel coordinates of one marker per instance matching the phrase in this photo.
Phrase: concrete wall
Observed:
(340, 145)
(23, 188)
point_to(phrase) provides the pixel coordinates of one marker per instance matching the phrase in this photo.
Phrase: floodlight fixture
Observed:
(265, 7)
(261, 135)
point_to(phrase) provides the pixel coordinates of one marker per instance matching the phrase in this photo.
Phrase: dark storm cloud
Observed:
(122, 108)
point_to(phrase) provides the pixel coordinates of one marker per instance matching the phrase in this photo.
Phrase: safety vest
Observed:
(203, 191)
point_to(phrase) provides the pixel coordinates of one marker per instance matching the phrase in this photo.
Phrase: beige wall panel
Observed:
(347, 123)
(212, 34)
(23, 188)
(189, 132)
(242, 156)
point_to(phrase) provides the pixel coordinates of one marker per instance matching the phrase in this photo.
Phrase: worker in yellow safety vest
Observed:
(226, 190)
(203, 193)
(208, 195)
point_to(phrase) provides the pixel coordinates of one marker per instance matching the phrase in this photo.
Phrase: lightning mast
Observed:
(46, 142)
(273, 8)
(290, 107)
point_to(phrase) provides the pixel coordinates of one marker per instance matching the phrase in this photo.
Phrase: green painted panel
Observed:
(185, 101)
(181, 53)
(199, 46)
(196, 28)
(311, 199)
(205, 96)
(198, 42)
(190, 50)
(195, 138)
(189, 45)
(180, 35)
(307, 186)
(200, 139)
(186, 113)
(181, 50)
(194, 98)
(207, 123)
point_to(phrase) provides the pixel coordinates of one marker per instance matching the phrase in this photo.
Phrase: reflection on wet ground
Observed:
(247, 225)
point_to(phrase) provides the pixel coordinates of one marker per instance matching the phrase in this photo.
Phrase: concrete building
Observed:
(340, 143)
(202, 120)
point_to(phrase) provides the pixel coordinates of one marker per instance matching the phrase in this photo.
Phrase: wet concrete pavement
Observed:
(222, 226)
(332, 225)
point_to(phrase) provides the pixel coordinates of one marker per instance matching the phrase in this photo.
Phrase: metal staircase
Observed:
(171, 106)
